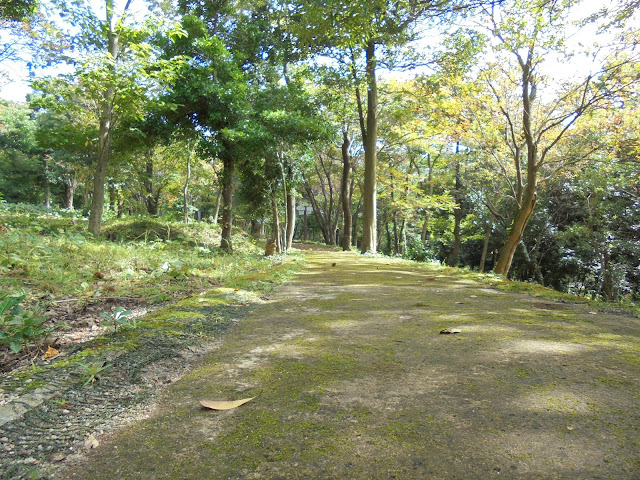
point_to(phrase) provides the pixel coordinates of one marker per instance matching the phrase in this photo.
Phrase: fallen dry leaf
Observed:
(91, 442)
(450, 330)
(224, 404)
(57, 457)
(431, 278)
(51, 352)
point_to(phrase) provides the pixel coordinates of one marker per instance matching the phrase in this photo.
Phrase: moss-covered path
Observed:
(357, 383)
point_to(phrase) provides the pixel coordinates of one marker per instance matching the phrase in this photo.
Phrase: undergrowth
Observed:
(49, 258)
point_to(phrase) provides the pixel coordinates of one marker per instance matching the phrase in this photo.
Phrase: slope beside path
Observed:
(355, 381)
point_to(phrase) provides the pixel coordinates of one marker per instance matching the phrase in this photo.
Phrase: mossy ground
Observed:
(355, 381)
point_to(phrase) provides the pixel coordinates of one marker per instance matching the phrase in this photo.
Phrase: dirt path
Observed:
(358, 383)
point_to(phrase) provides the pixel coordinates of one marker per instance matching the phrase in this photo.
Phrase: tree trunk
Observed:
(47, 186)
(185, 190)
(345, 194)
(285, 195)
(69, 191)
(607, 279)
(112, 197)
(104, 131)
(276, 221)
(150, 197)
(454, 256)
(485, 245)
(356, 212)
(227, 198)
(100, 175)
(86, 195)
(520, 221)
(369, 227)
(217, 210)
(388, 232)
(323, 222)
(425, 229)
(305, 226)
(120, 198)
(256, 227)
(526, 192)
(291, 218)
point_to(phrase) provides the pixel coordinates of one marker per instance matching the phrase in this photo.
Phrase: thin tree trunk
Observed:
(86, 195)
(305, 226)
(427, 217)
(285, 195)
(227, 198)
(369, 214)
(356, 212)
(69, 191)
(291, 218)
(388, 232)
(532, 263)
(276, 221)
(151, 198)
(454, 256)
(526, 193)
(323, 223)
(185, 190)
(520, 221)
(217, 211)
(485, 245)
(345, 194)
(47, 186)
(120, 199)
(105, 129)
(112, 197)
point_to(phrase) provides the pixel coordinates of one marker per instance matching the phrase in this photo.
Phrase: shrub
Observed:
(19, 326)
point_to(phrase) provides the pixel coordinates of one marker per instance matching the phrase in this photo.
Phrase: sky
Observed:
(18, 88)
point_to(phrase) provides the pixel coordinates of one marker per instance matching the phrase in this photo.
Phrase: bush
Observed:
(19, 326)
(419, 252)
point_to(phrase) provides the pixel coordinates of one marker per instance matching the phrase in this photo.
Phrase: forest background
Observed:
(494, 135)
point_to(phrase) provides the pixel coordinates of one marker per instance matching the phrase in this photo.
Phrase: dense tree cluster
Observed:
(442, 130)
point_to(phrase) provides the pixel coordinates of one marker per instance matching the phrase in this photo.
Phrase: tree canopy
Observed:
(493, 135)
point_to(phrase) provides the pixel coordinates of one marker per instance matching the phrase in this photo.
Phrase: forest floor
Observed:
(354, 380)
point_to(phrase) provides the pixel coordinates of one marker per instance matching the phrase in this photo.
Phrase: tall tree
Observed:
(536, 117)
(117, 70)
(361, 35)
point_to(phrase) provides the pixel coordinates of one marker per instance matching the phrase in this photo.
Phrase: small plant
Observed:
(19, 326)
(119, 317)
(90, 372)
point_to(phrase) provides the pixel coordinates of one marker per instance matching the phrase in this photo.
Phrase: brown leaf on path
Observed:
(91, 442)
(51, 352)
(224, 404)
(431, 278)
(447, 331)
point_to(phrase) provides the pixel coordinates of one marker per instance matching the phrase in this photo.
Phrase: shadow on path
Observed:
(358, 383)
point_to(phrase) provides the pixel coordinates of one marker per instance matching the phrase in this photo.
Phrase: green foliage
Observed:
(17, 9)
(119, 317)
(90, 371)
(19, 326)
(21, 167)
